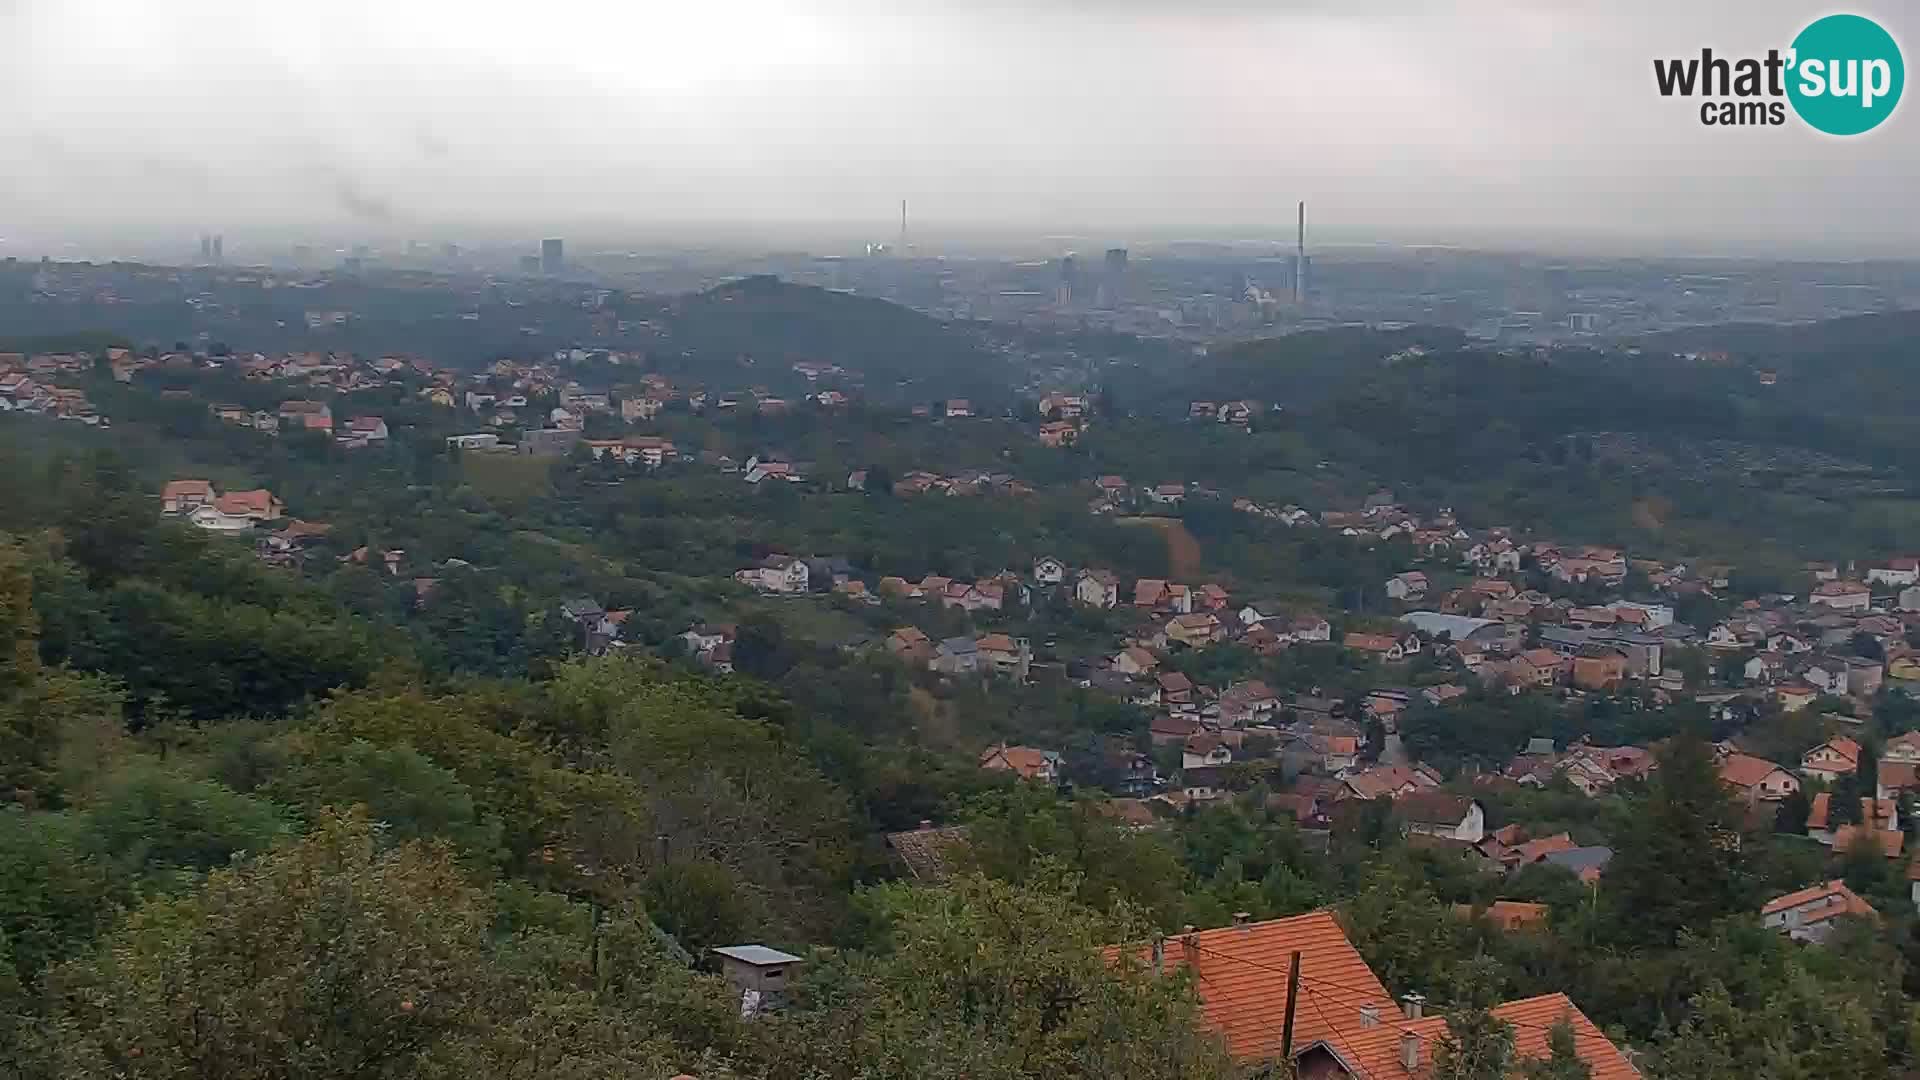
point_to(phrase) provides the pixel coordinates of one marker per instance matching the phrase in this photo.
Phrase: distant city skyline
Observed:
(1499, 125)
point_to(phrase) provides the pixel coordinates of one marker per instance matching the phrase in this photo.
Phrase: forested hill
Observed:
(900, 352)
(1888, 330)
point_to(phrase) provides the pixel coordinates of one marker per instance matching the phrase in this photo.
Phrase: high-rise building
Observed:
(206, 248)
(219, 247)
(1116, 260)
(552, 255)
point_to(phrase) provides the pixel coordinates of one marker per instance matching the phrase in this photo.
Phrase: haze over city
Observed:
(1502, 125)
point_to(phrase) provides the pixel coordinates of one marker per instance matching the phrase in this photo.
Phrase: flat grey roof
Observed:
(757, 955)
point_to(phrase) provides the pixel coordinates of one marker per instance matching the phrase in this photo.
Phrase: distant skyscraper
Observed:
(1116, 260)
(552, 255)
(206, 248)
(1302, 267)
(530, 264)
(219, 247)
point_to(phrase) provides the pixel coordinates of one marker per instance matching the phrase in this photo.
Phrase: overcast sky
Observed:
(1397, 120)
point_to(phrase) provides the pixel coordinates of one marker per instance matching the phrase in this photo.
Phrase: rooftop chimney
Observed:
(1409, 1051)
(1159, 954)
(1412, 1004)
(1240, 919)
(1369, 1016)
(1189, 946)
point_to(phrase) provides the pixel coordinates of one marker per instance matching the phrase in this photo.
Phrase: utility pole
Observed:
(1286, 1026)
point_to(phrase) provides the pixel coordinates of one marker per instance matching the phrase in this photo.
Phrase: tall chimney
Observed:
(1413, 1004)
(1409, 1051)
(1240, 918)
(1189, 945)
(1369, 1016)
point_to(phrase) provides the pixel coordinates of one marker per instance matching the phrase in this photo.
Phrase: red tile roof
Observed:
(1240, 974)
(1745, 770)
(1847, 902)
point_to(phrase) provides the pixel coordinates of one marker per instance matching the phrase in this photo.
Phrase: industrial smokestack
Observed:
(903, 226)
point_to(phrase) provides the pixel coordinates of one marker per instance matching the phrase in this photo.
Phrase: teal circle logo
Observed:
(1846, 74)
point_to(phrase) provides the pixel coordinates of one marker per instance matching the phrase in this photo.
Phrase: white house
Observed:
(1408, 586)
(1809, 914)
(1902, 571)
(776, 574)
(1097, 588)
(1048, 570)
(1843, 595)
(1437, 813)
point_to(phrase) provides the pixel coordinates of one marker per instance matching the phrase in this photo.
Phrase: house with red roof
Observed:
(1810, 914)
(1346, 1025)
(1756, 780)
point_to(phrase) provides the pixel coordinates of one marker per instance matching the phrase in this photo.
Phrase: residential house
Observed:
(1384, 646)
(1902, 748)
(1309, 628)
(1829, 761)
(1023, 761)
(1240, 974)
(1536, 667)
(781, 574)
(1164, 730)
(1167, 494)
(1048, 570)
(1599, 669)
(1810, 914)
(1411, 585)
(306, 416)
(1842, 595)
(1438, 813)
(364, 431)
(928, 851)
(257, 504)
(184, 496)
(1174, 688)
(1899, 572)
(1005, 655)
(1388, 781)
(1909, 599)
(956, 656)
(1205, 750)
(1585, 863)
(1203, 783)
(1195, 630)
(1097, 588)
(1879, 815)
(1057, 433)
(911, 645)
(1134, 660)
(1755, 780)
(1508, 916)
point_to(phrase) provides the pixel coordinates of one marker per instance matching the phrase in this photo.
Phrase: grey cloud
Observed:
(1431, 121)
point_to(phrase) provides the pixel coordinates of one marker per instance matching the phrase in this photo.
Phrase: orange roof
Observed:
(1841, 745)
(177, 488)
(1745, 770)
(1541, 658)
(1240, 974)
(1891, 840)
(1849, 902)
(1369, 642)
(996, 643)
(1532, 1020)
(1535, 850)
(257, 501)
(1870, 809)
(1024, 761)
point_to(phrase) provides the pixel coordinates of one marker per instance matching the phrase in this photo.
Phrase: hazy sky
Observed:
(1402, 120)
